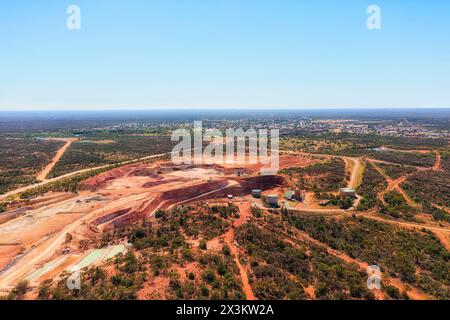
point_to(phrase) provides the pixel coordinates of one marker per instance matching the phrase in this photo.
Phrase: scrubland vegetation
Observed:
(69, 184)
(184, 252)
(429, 187)
(100, 150)
(405, 158)
(416, 257)
(372, 183)
(397, 207)
(321, 177)
(354, 144)
(283, 271)
(396, 171)
(22, 158)
(168, 260)
(164, 253)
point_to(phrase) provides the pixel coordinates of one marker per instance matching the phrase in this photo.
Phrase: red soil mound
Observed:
(100, 180)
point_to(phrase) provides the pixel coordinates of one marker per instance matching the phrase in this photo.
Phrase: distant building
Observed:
(289, 195)
(347, 192)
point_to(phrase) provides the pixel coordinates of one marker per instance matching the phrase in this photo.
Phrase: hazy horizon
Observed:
(205, 113)
(228, 109)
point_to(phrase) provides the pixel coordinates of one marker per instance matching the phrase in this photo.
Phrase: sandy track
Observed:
(435, 167)
(394, 163)
(45, 172)
(354, 178)
(406, 151)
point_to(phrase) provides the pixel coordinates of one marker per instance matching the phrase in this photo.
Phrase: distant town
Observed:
(392, 128)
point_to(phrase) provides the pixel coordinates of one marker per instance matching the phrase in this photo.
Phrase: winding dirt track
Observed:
(437, 163)
(45, 172)
(244, 212)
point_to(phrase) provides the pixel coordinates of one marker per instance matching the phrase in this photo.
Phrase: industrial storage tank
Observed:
(347, 192)
(272, 200)
(256, 193)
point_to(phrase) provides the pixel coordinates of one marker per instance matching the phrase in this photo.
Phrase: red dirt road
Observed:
(437, 163)
(393, 185)
(244, 211)
(44, 173)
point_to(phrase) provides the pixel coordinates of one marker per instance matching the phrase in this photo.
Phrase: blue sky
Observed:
(224, 54)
